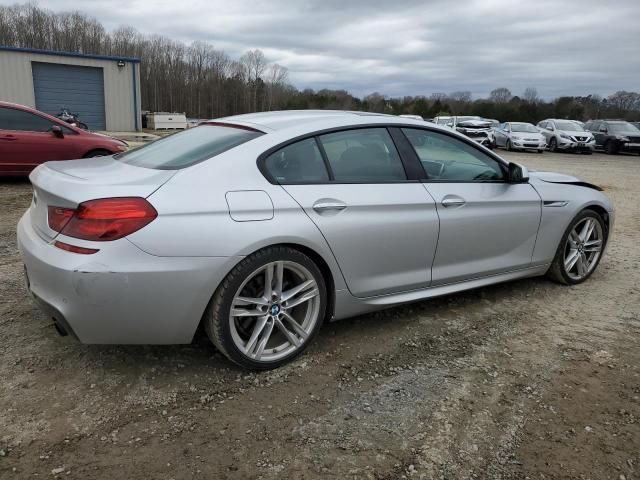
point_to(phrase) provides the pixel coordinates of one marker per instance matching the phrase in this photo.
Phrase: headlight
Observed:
(121, 148)
(566, 137)
(622, 139)
(515, 137)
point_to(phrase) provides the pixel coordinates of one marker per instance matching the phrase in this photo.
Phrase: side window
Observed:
(300, 162)
(366, 155)
(12, 119)
(445, 158)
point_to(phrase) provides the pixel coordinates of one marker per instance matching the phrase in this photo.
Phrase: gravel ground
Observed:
(521, 380)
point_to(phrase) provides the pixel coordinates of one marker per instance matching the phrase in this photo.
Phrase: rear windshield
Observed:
(187, 148)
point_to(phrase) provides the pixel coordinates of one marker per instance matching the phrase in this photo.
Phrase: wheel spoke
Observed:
(587, 229)
(574, 239)
(290, 336)
(593, 245)
(305, 297)
(582, 264)
(571, 259)
(242, 301)
(242, 312)
(257, 330)
(263, 340)
(296, 326)
(279, 277)
(268, 282)
(295, 290)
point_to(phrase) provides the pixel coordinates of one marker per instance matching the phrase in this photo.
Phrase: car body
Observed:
(566, 135)
(411, 115)
(474, 127)
(244, 217)
(615, 136)
(520, 136)
(636, 124)
(29, 137)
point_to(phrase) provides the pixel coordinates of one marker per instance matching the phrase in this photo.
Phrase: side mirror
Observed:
(57, 131)
(518, 173)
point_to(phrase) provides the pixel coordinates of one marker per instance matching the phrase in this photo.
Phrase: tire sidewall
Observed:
(233, 282)
(559, 259)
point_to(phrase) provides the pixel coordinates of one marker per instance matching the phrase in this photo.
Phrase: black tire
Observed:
(553, 144)
(216, 316)
(508, 145)
(540, 151)
(98, 153)
(610, 147)
(557, 271)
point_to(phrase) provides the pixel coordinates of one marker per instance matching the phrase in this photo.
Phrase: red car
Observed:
(29, 137)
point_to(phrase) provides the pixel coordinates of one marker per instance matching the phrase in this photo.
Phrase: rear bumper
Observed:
(120, 295)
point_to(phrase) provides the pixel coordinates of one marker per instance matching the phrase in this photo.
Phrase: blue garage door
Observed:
(79, 89)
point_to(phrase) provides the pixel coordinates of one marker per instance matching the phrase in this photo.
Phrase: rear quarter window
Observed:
(189, 147)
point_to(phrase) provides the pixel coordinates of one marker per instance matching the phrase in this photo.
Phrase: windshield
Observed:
(569, 126)
(523, 127)
(622, 127)
(189, 147)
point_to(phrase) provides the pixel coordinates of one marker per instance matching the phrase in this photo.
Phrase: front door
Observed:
(381, 226)
(487, 225)
(26, 141)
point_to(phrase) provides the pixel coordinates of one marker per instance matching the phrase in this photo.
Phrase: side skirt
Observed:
(347, 305)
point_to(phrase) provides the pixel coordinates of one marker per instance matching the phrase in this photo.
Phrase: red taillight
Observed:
(106, 218)
(75, 249)
(58, 217)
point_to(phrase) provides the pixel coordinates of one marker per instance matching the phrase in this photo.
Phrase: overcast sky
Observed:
(571, 47)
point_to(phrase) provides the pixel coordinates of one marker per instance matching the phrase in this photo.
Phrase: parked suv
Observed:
(29, 137)
(615, 135)
(567, 135)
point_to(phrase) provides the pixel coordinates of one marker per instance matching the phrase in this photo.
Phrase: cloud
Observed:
(399, 48)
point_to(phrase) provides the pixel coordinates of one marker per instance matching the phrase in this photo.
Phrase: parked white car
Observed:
(520, 136)
(474, 127)
(567, 135)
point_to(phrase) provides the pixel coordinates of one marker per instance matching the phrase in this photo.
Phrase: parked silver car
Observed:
(567, 135)
(261, 227)
(520, 136)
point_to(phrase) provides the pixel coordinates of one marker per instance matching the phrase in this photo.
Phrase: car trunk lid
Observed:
(71, 182)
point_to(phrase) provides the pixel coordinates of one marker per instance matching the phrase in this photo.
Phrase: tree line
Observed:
(205, 82)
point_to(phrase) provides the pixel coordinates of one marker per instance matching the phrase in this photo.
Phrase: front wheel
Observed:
(580, 249)
(610, 148)
(553, 145)
(540, 150)
(508, 146)
(268, 308)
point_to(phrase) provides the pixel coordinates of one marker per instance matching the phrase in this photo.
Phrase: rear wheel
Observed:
(610, 148)
(268, 309)
(580, 249)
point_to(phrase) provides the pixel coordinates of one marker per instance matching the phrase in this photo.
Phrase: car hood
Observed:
(527, 134)
(553, 177)
(474, 124)
(575, 133)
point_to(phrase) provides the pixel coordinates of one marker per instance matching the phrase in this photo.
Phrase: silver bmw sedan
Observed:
(261, 227)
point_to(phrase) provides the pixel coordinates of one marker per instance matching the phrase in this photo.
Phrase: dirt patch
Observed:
(525, 379)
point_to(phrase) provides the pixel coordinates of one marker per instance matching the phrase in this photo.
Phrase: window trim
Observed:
(409, 172)
(501, 163)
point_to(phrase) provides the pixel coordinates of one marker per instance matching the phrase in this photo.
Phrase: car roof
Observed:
(283, 119)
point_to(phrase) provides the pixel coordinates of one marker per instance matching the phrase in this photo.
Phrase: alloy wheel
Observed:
(583, 248)
(274, 311)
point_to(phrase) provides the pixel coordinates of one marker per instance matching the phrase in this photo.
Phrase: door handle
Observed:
(8, 138)
(322, 206)
(453, 202)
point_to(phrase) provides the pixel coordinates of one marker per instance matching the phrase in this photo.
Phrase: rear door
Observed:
(380, 223)
(26, 141)
(487, 225)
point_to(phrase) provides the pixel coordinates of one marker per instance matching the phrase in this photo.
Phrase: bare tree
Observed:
(500, 95)
(530, 95)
